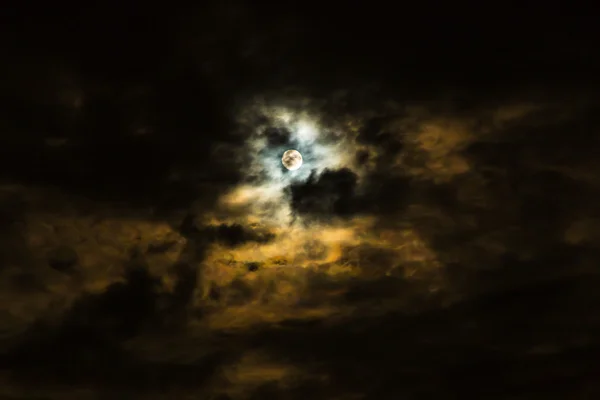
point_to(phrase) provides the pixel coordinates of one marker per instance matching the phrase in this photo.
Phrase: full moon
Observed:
(292, 160)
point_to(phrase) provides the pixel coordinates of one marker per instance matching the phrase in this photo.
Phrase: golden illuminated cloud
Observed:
(393, 251)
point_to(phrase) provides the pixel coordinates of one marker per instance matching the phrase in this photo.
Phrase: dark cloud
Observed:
(277, 137)
(95, 324)
(361, 157)
(118, 136)
(330, 193)
(377, 290)
(62, 258)
(235, 235)
(253, 266)
(231, 235)
(13, 248)
(385, 194)
(409, 346)
(86, 346)
(377, 132)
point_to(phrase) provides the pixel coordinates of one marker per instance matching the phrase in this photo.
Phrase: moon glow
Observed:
(292, 160)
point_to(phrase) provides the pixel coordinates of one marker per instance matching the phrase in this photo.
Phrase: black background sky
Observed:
(122, 113)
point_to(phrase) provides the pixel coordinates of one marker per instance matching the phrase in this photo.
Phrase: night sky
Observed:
(441, 239)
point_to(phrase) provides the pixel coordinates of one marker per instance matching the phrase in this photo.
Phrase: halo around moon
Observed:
(292, 160)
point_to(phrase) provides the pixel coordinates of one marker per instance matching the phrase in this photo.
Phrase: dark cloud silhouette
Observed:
(277, 137)
(253, 266)
(231, 235)
(385, 194)
(86, 346)
(93, 327)
(330, 193)
(235, 235)
(62, 258)
(401, 345)
(376, 132)
(361, 157)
